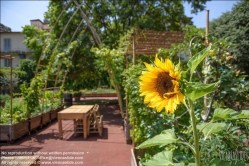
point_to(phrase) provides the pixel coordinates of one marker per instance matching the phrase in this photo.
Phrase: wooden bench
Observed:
(94, 124)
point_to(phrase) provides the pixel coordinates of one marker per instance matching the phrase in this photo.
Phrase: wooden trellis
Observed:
(56, 77)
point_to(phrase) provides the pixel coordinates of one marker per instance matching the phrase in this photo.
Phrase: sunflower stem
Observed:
(196, 137)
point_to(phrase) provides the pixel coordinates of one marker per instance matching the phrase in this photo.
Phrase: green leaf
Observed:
(195, 90)
(179, 164)
(166, 137)
(218, 162)
(182, 164)
(223, 114)
(244, 114)
(208, 129)
(197, 58)
(160, 159)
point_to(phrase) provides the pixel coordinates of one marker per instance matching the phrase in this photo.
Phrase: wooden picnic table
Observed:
(75, 112)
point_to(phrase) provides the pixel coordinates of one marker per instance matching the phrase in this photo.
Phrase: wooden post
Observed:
(11, 90)
(126, 94)
(205, 64)
(134, 47)
(207, 25)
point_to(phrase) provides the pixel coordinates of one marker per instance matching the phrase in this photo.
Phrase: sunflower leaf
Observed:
(244, 114)
(224, 114)
(228, 113)
(160, 159)
(166, 137)
(197, 58)
(216, 162)
(195, 90)
(208, 129)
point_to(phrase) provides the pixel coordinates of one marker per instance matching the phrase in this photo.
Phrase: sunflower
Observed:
(160, 86)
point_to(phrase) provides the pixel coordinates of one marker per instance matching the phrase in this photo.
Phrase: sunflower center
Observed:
(164, 85)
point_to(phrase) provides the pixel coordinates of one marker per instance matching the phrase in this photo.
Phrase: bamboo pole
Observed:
(207, 25)
(127, 114)
(11, 96)
(133, 47)
(205, 64)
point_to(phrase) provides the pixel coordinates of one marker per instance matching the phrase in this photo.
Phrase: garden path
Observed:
(109, 150)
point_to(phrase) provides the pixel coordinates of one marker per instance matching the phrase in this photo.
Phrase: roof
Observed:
(11, 32)
(36, 20)
(147, 42)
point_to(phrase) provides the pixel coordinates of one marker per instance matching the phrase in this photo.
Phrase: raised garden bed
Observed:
(45, 118)
(53, 114)
(99, 95)
(134, 160)
(14, 131)
(34, 122)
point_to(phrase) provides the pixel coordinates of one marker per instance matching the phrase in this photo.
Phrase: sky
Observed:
(16, 14)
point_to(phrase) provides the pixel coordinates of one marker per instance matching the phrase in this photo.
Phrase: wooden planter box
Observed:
(53, 114)
(34, 122)
(14, 131)
(134, 161)
(127, 128)
(59, 109)
(45, 118)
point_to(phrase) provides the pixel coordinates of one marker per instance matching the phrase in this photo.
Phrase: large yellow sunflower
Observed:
(160, 86)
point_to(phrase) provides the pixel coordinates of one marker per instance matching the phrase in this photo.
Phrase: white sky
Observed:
(16, 14)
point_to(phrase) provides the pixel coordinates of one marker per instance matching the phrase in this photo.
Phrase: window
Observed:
(22, 56)
(7, 45)
(6, 62)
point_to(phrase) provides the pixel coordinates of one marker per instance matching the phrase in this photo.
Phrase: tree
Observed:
(28, 66)
(110, 19)
(113, 18)
(234, 27)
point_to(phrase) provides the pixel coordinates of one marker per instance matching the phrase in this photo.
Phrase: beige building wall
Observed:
(37, 23)
(16, 39)
(46, 27)
(16, 61)
(17, 48)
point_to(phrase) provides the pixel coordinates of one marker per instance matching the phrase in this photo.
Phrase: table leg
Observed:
(85, 126)
(60, 128)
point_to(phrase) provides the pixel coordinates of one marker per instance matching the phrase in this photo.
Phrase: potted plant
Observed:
(68, 98)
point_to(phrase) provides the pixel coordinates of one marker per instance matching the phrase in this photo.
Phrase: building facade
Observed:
(12, 44)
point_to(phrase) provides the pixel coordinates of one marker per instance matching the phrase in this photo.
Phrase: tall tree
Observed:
(110, 19)
(234, 27)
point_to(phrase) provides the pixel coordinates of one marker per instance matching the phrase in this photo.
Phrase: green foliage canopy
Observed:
(234, 27)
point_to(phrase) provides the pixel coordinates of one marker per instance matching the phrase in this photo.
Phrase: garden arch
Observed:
(57, 68)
